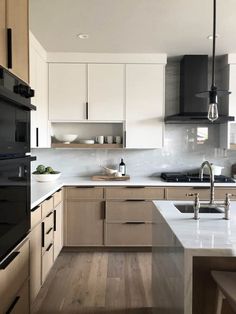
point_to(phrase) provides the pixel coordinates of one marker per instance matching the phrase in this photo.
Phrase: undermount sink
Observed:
(188, 209)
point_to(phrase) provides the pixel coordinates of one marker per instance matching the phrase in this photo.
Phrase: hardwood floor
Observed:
(90, 283)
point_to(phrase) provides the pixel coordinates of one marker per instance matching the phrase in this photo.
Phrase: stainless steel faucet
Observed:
(212, 180)
(212, 204)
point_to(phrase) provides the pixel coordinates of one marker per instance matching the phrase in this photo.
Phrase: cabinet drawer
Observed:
(20, 304)
(48, 222)
(47, 261)
(57, 198)
(14, 271)
(125, 193)
(181, 193)
(48, 239)
(130, 210)
(36, 216)
(47, 206)
(220, 193)
(84, 193)
(126, 234)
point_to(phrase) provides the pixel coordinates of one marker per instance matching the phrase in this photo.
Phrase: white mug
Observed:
(118, 139)
(109, 139)
(100, 139)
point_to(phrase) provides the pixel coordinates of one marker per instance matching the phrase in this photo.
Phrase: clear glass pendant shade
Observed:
(213, 112)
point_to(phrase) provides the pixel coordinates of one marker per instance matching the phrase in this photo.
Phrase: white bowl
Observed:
(66, 138)
(110, 172)
(47, 177)
(87, 141)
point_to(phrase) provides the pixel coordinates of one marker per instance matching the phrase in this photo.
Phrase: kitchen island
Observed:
(184, 253)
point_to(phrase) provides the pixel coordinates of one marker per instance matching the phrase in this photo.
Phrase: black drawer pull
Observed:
(48, 215)
(13, 305)
(49, 230)
(85, 187)
(135, 187)
(34, 209)
(135, 223)
(58, 190)
(8, 261)
(55, 220)
(43, 231)
(87, 113)
(9, 48)
(135, 200)
(48, 249)
(48, 198)
(37, 137)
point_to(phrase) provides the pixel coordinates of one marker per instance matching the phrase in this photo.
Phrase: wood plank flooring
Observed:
(100, 282)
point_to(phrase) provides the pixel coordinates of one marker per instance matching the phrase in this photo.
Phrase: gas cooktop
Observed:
(193, 177)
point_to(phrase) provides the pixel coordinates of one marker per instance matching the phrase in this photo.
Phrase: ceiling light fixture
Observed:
(213, 93)
(82, 36)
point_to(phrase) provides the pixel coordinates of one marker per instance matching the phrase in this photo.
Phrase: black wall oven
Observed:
(15, 107)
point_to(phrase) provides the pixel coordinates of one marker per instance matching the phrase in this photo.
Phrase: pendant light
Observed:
(213, 94)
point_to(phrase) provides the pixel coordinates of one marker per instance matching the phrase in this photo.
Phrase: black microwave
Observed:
(15, 106)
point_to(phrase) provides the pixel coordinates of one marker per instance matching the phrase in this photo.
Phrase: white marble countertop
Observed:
(210, 233)
(41, 190)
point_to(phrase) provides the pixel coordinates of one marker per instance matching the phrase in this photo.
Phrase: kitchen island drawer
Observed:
(128, 234)
(57, 197)
(36, 216)
(20, 303)
(14, 271)
(136, 193)
(129, 210)
(47, 261)
(85, 192)
(47, 206)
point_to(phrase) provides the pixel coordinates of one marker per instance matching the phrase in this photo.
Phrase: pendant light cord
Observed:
(214, 44)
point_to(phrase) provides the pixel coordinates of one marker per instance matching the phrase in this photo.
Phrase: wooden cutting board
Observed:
(110, 178)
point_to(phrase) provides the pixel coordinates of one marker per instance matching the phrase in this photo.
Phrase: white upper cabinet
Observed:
(144, 105)
(39, 82)
(67, 91)
(106, 92)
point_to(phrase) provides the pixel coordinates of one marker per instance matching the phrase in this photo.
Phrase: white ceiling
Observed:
(173, 26)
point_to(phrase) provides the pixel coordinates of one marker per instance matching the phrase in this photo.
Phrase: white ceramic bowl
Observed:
(48, 177)
(66, 138)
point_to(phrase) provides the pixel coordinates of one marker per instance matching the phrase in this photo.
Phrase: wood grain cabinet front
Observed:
(21, 302)
(84, 223)
(134, 192)
(84, 193)
(47, 206)
(14, 271)
(58, 229)
(47, 261)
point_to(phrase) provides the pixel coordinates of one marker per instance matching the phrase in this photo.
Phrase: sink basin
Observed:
(185, 209)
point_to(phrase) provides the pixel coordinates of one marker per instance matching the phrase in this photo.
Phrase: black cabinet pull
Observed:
(87, 113)
(55, 220)
(37, 137)
(34, 209)
(43, 231)
(48, 249)
(13, 305)
(135, 223)
(48, 198)
(9, 48)
(49, 230)
(135, 187)
(135, 200)
(200, 188)
(48, 215)
(85, 187)
(8, 260)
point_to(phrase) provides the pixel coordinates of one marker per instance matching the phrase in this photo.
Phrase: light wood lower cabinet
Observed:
(21, 303)
(14, 272)
(84, 223)
(47, 261)
(58, 229)
(134, 192)
(35, 261)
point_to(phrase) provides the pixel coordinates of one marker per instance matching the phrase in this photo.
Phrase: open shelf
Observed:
(77, 145)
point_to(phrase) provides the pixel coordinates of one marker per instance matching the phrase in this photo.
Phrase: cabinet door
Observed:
(3, 47)
(58, 229)
(17, 21)
(144, 105)
(20, 304)
(67, 91)
(39, 82)
(35, 262)
(47, 261)
(106, 91)
(84, 223)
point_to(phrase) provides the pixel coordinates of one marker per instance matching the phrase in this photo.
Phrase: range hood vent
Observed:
(193, 80)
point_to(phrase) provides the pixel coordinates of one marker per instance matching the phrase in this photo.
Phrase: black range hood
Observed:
(193, 80)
